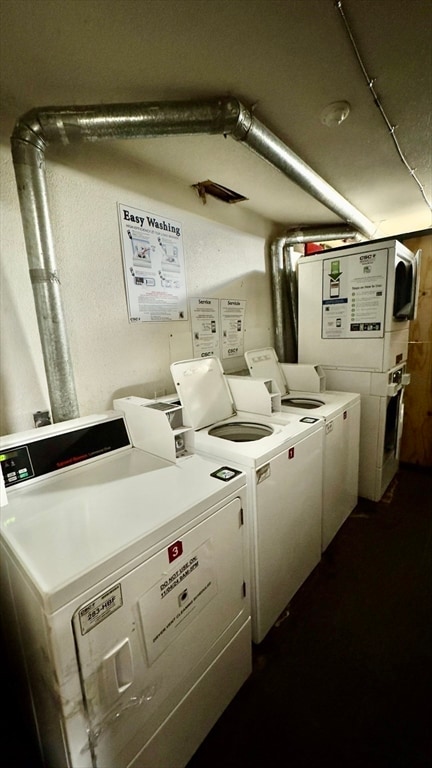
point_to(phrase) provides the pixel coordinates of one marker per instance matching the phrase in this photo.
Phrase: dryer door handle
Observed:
(118, 669)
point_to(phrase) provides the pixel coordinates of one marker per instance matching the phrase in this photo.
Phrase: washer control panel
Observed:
(16, 465)
(56, 452)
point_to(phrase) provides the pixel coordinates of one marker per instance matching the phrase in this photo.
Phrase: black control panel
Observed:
(56, 452)
(16, 465)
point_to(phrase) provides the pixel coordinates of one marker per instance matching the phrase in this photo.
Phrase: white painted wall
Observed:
(225, 250)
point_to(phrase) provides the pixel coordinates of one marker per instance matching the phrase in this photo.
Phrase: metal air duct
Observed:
(284, 283)
(38, 128)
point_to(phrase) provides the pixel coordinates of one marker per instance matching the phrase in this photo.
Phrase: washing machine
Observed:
(125, 593)
(341, 414)
(282, 460)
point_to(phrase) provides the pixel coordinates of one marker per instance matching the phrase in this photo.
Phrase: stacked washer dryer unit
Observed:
(125, 593)
(355, 304)
(283, 466)
(303, 390)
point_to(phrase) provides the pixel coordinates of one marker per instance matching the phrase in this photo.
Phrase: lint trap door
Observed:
(145, 639)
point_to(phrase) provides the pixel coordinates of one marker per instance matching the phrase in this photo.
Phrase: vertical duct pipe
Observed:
(284, 284)
(31, 136)
(29, 163)
(38, 128)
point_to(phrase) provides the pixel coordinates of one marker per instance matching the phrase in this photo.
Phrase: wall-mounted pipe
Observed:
(40, 127)
(284, 283)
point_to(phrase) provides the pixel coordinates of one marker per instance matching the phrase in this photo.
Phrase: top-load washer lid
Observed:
(206, 398)
(263, 363)
(302, 402)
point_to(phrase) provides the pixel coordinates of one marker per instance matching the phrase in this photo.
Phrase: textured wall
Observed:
(225, 251)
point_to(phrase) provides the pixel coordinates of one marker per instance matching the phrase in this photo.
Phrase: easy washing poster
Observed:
(155, 281)
(154, 269)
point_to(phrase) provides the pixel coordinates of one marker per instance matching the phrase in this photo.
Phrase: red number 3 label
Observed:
(174, 551)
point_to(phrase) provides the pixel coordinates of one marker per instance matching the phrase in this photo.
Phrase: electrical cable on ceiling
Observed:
(392, 128)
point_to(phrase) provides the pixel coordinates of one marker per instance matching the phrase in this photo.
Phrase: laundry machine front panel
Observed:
(340, 458)
(341, 471)
(287, 528)
(139, 641)
(174, 744)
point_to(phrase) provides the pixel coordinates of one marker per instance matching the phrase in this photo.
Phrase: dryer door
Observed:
(144, 641)
(406, 285)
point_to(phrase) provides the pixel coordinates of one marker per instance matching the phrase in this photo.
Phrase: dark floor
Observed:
(344, 681)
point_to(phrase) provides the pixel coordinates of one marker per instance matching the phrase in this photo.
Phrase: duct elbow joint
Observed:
(27, 135)
(237, 118)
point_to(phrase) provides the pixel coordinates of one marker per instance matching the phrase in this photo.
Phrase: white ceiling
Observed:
(288, 59)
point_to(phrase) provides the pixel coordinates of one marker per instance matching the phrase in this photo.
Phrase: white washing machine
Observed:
(125, 591)
(341, 414)
(283, 466)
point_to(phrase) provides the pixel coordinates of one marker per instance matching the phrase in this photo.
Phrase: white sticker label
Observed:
(263, 473)
(171, 604)
(100, 608)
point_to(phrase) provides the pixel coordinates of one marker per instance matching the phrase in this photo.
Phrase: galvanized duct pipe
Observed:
(40, 127)
(284, 283)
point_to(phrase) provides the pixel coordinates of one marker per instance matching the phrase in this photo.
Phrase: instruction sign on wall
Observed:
(353, 296)
(171, 604)
(232, 314)
(205, 327)
(153, 261)
(218, 327)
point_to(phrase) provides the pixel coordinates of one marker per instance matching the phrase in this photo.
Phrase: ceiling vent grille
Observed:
(208, 187)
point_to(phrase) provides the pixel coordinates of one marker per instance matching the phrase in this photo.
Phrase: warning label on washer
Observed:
(171, 604)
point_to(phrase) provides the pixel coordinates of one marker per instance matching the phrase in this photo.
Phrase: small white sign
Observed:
(205, 327)
(232, 312)
(100, 608)
(177, 598)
